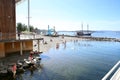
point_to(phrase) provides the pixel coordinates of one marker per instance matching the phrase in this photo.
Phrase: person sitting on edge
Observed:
(14, 68)
(30, 57)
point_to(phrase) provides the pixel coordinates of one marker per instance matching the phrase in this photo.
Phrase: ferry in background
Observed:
(84, 33)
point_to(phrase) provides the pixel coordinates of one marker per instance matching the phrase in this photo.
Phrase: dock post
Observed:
(21, 53)
(38, 45)
(13, 45)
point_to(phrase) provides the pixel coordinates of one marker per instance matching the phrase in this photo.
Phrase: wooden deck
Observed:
(17, 45)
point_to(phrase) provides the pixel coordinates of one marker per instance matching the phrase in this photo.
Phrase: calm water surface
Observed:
(82, 60)
(109, 34)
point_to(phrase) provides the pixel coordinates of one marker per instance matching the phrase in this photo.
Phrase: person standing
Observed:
(18, 35)
(30, 58)
(14, 68)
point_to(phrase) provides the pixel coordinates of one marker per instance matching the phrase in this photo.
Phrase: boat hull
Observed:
(83, 34)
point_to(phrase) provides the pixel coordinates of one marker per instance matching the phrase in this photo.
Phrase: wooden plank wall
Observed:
(7, 19)
(11, 47)
(2, 50)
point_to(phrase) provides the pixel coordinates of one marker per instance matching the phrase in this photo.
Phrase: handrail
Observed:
(109, 73)
(116, 76)
(9, 36)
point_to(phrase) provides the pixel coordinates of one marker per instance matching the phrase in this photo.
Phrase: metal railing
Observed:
(16, 36)
(111, 71)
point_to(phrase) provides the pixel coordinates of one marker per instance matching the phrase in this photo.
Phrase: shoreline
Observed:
(53, 41)
(50, 42)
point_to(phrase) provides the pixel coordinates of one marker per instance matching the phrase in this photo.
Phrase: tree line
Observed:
(22, 27)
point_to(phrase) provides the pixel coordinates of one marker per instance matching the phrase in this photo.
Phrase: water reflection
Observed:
(45, 57)
(64, 44)
(30, 73)
(83, 44)
(19, 77)
(47, 74)
(57, 45)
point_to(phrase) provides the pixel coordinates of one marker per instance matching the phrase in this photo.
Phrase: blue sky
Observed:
(70, 14)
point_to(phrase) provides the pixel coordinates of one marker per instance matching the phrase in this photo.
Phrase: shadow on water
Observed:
(14, 57)
(46, 74)
(41, 73)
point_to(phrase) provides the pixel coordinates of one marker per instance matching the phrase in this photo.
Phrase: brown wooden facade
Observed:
(19, 46)
(7, 19)
(8, 42)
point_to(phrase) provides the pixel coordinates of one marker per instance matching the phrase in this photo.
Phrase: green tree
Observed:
(24, 27)
(31, 28)
(19, 27)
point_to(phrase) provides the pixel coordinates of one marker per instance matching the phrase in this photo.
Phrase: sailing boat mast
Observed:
(82, 27)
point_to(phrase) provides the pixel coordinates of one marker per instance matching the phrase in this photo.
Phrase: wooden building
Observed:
(7, 19)
(8, 42)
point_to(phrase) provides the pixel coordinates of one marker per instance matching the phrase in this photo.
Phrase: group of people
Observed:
(30, 58)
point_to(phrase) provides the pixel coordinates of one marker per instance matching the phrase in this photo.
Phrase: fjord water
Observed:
(77, 60)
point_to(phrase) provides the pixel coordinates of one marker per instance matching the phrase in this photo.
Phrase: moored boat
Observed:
(84, 33)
